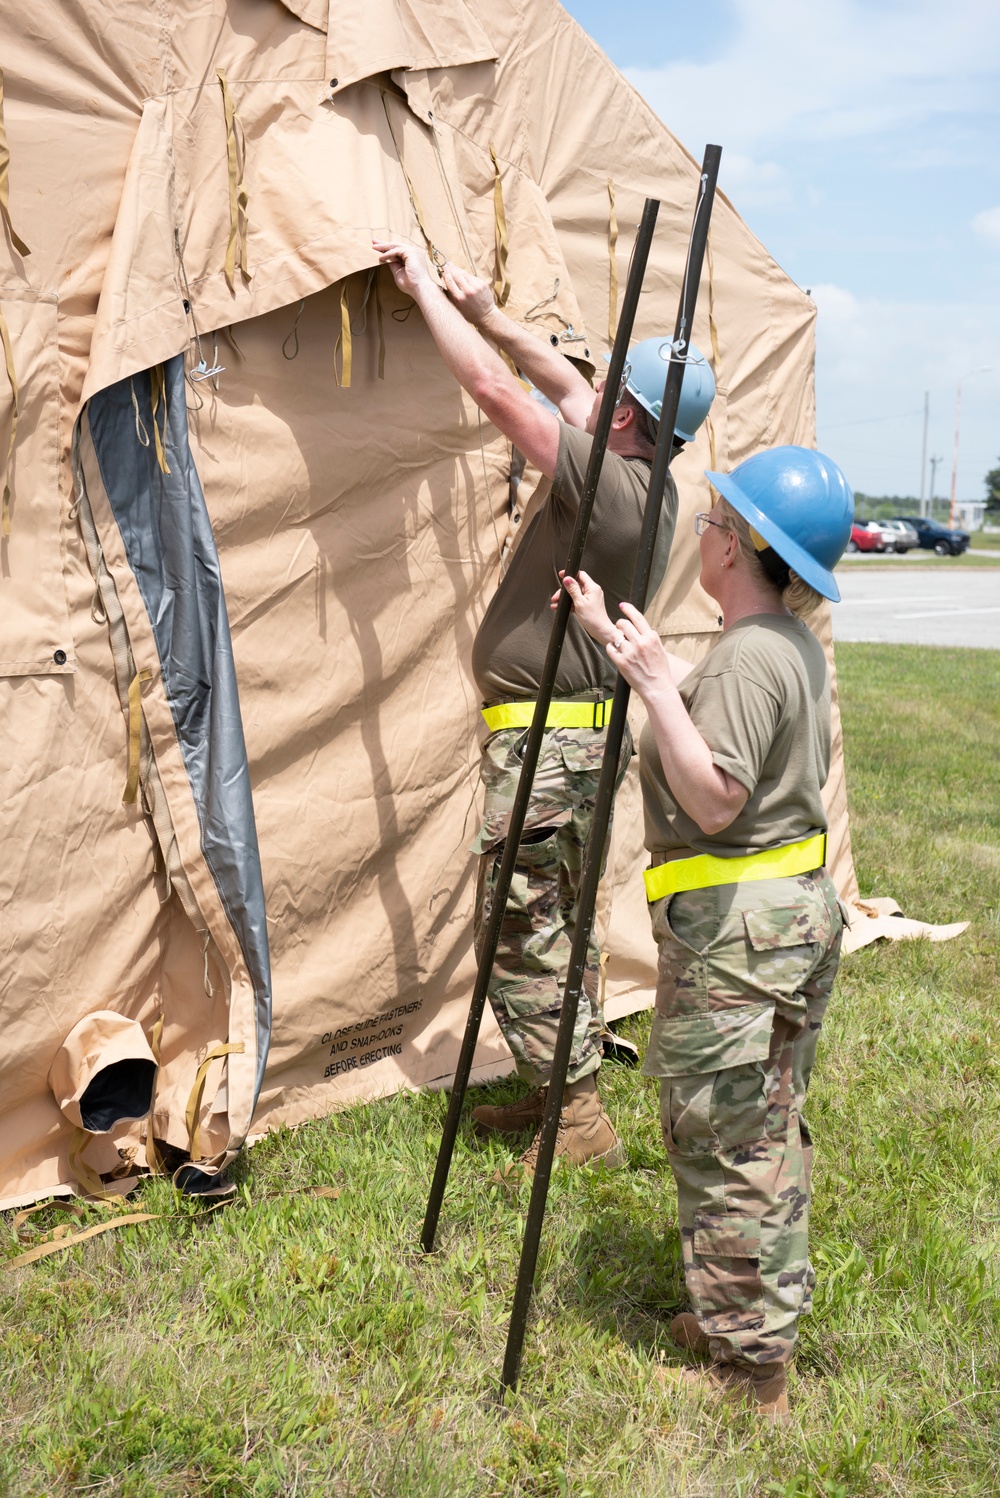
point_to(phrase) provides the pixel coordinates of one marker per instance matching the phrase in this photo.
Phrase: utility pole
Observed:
(984, 369)
(923, 454)
(934, 469)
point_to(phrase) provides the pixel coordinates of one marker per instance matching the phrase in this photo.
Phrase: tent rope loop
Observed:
(8, 356)
(293, 335)
(140, 426)
(15, 238)
(239, 199)
(197, 1091)
(158, 392)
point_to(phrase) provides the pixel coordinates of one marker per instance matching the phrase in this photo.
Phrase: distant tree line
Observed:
(992, 482)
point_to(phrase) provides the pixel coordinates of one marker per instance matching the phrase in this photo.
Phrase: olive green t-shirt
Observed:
(509, 650)
(761, 701)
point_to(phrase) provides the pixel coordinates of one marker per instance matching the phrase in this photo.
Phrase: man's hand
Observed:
(411, 270)
(471, 295)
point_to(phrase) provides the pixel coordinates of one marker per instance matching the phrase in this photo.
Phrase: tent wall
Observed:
(360, 527)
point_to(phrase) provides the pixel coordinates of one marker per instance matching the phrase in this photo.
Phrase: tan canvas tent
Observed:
(253, 524)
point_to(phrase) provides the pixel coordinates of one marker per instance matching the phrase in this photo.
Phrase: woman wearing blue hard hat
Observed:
(733, 760)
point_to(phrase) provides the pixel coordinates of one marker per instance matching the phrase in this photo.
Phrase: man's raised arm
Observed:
(547, 369)
(476, 366)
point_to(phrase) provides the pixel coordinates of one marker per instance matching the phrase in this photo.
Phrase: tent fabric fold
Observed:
(269, 621)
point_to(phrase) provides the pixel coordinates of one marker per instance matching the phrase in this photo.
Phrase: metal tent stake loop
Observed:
(594, 856)
(533, 743)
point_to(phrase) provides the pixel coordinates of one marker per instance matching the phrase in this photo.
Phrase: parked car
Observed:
(866, 535)
(937, 538)
(899, 536)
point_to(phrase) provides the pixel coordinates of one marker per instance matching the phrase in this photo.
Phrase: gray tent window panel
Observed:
(168, 538)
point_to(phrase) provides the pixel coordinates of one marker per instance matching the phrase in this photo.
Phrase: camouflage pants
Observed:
(745, 973)
(529, 973)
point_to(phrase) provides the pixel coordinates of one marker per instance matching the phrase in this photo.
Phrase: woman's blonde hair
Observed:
(769, 567)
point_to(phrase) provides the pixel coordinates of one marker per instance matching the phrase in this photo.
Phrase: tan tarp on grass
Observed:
(359, 529)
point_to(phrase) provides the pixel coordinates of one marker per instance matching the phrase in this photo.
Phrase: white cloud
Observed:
(987, 224)
(840, 69)
(755, 184)
(875, 359)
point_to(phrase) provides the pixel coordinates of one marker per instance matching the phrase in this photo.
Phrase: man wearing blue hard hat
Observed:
(507, 658)
(733, 760)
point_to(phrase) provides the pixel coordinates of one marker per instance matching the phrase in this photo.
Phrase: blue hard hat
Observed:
(800, 503)
(646, 376)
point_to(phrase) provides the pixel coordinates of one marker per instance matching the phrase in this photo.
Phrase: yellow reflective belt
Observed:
(15, 238)
(705, 871)
(239, 201)
(612, 247)
(559, 715)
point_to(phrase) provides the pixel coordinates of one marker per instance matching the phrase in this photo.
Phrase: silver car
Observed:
(899, 536)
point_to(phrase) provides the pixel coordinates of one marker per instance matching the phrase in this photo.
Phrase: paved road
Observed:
(919, 607)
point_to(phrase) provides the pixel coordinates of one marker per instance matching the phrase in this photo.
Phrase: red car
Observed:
(866, 536)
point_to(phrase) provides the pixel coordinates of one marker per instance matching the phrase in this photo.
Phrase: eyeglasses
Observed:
(703, 521)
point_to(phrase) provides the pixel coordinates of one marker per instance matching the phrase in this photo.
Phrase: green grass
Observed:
(292, 1344)
(915, 559)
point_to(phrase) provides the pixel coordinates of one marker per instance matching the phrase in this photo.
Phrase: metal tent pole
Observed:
(594, 857)
(533, 742)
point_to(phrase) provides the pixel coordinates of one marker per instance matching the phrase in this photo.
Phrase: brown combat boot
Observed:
(687, 1333)
(761, 1388)
(511, 1118)
(586, 1135)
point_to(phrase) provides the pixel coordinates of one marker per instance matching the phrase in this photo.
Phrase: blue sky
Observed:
(861, 143)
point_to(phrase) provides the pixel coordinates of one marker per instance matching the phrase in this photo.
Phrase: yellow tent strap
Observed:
(344, 340)
(153, 1157)
(87, 1177)
(43, 1249)
(134, 734)
(239, 201)
(15, 238)
(501, 280)
(713, 462)
(612, 248)
(158, 393)
(432, 249)
(12, 377)
(194, 1101)
(713, 330)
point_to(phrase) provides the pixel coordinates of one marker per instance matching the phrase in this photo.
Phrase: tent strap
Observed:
(153, 1158)
(15, 238)
(501, 279)
(191, 1113)
(134, 733)
(239, 200)
(345, 343)
(12, 377)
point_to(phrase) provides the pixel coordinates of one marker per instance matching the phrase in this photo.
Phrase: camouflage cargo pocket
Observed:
(804, 923)
(724, 1274)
